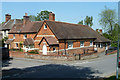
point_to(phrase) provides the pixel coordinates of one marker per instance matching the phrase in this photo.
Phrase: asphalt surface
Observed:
(103, 66)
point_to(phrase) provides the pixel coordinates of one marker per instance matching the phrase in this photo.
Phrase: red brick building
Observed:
(54, 37)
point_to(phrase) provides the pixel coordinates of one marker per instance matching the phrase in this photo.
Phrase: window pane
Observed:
(13, 36)
(45, 26)
(54, 49)
(91, 42)
(16, 44)
(70, 44)
(81, 43)
(25, 36)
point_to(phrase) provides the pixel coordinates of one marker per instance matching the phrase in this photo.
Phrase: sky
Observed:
(71, 12)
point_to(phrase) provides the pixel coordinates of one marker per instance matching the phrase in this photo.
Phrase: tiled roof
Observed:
(9, 24)
(32, 27)
(16, 28)
(64, 30)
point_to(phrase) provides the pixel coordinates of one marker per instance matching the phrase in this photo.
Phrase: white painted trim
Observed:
(48, 51)
(16, 47)
(31, 48)
(45, 35)
(37, 40)
(16, 42)
(24, 36)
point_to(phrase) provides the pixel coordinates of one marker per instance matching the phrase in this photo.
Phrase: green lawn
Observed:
(112, 78)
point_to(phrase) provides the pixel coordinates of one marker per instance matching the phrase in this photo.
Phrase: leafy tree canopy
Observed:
(43, 15)
(81, 22)
(107, 19)
(87, 21)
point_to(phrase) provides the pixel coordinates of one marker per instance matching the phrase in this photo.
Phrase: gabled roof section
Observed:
(9, 24)
(50, 41)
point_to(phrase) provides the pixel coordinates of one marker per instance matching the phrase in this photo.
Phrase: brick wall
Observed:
(42, 33)
(76, 44)
(18, 38)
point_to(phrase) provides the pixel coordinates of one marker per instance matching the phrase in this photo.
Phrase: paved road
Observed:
(99, 67)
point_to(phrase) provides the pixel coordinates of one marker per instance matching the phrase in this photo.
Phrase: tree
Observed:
(43, 15)
(107, 19)
(88, 21)
(32, 18)
(2, 22)
(5, 39)
(114, 37)
(21, 45)
(81, 22)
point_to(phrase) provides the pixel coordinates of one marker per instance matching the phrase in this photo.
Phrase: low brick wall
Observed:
(16, 54)
(99, 50)
(115, 51)
(38, 56)
(51, 56)
(48, 57)
(89, 56)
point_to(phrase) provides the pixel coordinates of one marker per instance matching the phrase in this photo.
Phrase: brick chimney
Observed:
(25, 19)
(100, 31)
(7, 17)
(51, 16)
(97, 30)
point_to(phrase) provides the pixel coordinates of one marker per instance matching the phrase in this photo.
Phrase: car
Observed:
(112, 48)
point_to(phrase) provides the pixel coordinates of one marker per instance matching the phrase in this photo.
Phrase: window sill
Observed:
(81, 46)
(70, 48)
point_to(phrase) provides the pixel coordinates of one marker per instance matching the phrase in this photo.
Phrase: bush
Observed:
(34, 52)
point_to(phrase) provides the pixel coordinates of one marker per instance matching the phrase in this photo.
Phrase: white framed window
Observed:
(54, 49)
(16, 44)
(70, 44)
(91, 43)
(13, 36)
(81, 43)
(45, 26)
(25, 36)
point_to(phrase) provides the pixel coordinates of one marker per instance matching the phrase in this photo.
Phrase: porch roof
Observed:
(28, 41)
(50, 40)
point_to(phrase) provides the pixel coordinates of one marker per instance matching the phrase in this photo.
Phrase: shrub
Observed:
(34, 52)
